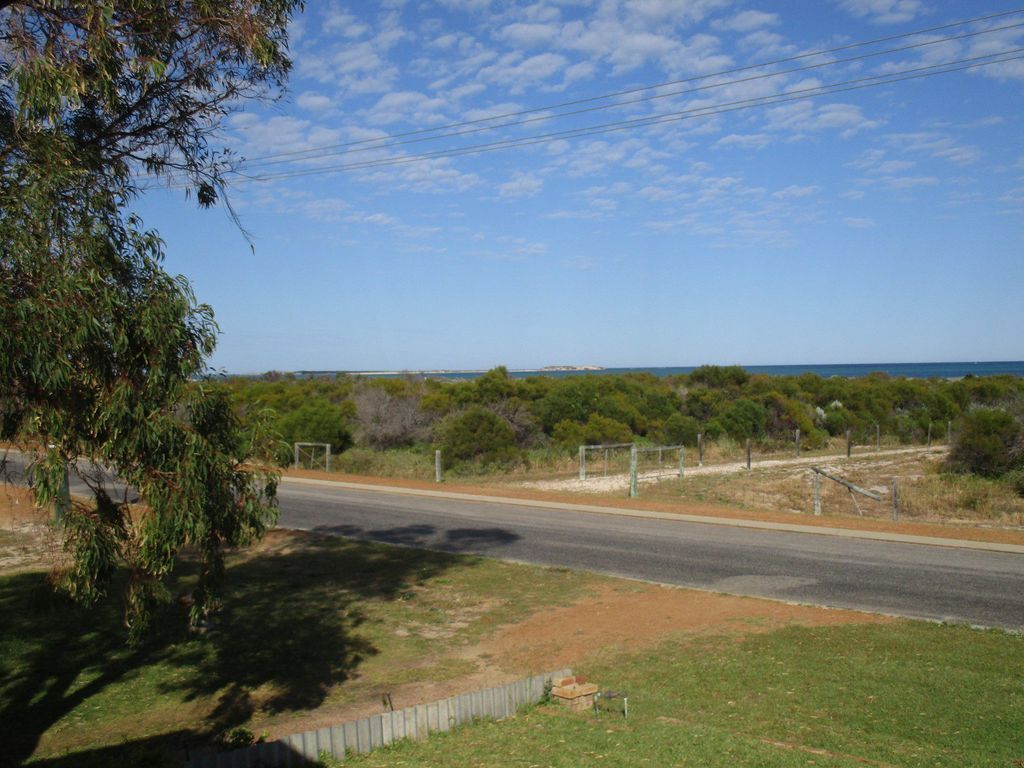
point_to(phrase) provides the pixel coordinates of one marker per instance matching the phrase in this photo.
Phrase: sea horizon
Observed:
(927, 370)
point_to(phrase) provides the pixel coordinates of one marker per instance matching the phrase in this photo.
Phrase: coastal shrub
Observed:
(479, 435)
(1016, 480)
(573, 398)
(720, 376)
(618, 408)
(390, 421)
(601, 430)
(743, 419)
(680, 430)
(569, 434)
(987, 442)
(318, 421)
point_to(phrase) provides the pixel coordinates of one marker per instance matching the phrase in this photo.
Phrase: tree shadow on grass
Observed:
(289, 631)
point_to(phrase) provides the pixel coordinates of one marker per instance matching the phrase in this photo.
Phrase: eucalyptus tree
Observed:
(102, 352)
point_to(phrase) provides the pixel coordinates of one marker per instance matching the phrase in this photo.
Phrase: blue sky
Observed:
(871, 225)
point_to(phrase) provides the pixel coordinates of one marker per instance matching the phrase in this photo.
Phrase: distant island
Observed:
(563, 368)
(454, 371)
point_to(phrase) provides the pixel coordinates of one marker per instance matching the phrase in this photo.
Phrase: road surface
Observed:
(942, 583)
(931, 582)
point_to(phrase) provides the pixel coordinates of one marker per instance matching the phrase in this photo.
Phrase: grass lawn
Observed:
(906, 694)
(311, 623)
(316, 628)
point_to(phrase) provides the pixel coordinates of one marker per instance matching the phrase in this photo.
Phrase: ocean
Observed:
(850, 370)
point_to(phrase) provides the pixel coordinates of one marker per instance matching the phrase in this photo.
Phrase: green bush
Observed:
(601, 430)
(569, 434)
(744, 418)
(680, 430)
(1016, 480)
(318, 421)
(987, 442)
(478, 435)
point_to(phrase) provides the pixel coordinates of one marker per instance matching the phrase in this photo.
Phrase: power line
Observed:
(329, 151)
(694, 113)
(628, 92)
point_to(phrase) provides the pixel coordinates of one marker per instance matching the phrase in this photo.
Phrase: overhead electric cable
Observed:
(697, 112)
(329, 151)
(630, 91)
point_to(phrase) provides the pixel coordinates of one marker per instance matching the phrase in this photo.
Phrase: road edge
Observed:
(848, 533)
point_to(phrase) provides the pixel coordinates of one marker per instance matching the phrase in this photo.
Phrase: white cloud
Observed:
(938, 145)
(517, 74)
(745, 140)
(407, 106)
(528, 34)
(803, 116)
(521, 185)
(855, 222)
(909, 182)
(747, 21)
(884, 11)
(313, 102)
(794, 191)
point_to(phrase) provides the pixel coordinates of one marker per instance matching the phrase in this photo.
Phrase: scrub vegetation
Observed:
(390, 426)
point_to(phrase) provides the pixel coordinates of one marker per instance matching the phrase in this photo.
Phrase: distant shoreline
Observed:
(943, 370)
(459, 371)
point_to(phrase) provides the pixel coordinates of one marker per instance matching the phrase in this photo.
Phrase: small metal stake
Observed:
(633, 490)
(437, 466)
(798, 443)
(700, 449)
(895, 501)
(748, 453)
(817, 494)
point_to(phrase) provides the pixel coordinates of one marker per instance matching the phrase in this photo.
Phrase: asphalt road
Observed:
(940, 583)
(929, 582)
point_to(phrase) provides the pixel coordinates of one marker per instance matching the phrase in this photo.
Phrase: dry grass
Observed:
(925, 493)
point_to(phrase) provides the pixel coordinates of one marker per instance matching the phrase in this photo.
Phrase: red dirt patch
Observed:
(626, 616)
(621, 618)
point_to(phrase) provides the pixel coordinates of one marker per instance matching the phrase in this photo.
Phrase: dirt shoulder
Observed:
(966, 532)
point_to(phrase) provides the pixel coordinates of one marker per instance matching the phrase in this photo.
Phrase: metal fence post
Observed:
(682, 459)
(633, 489)
(583, 462)
(437, 466)
(949, 433)
(328, 462)
(849, 445)
(700, 449)
(296, 456)
(895, 501)
(798, 442)
(748, 453)
(878, 437)
(929, 434)
(817, 494)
